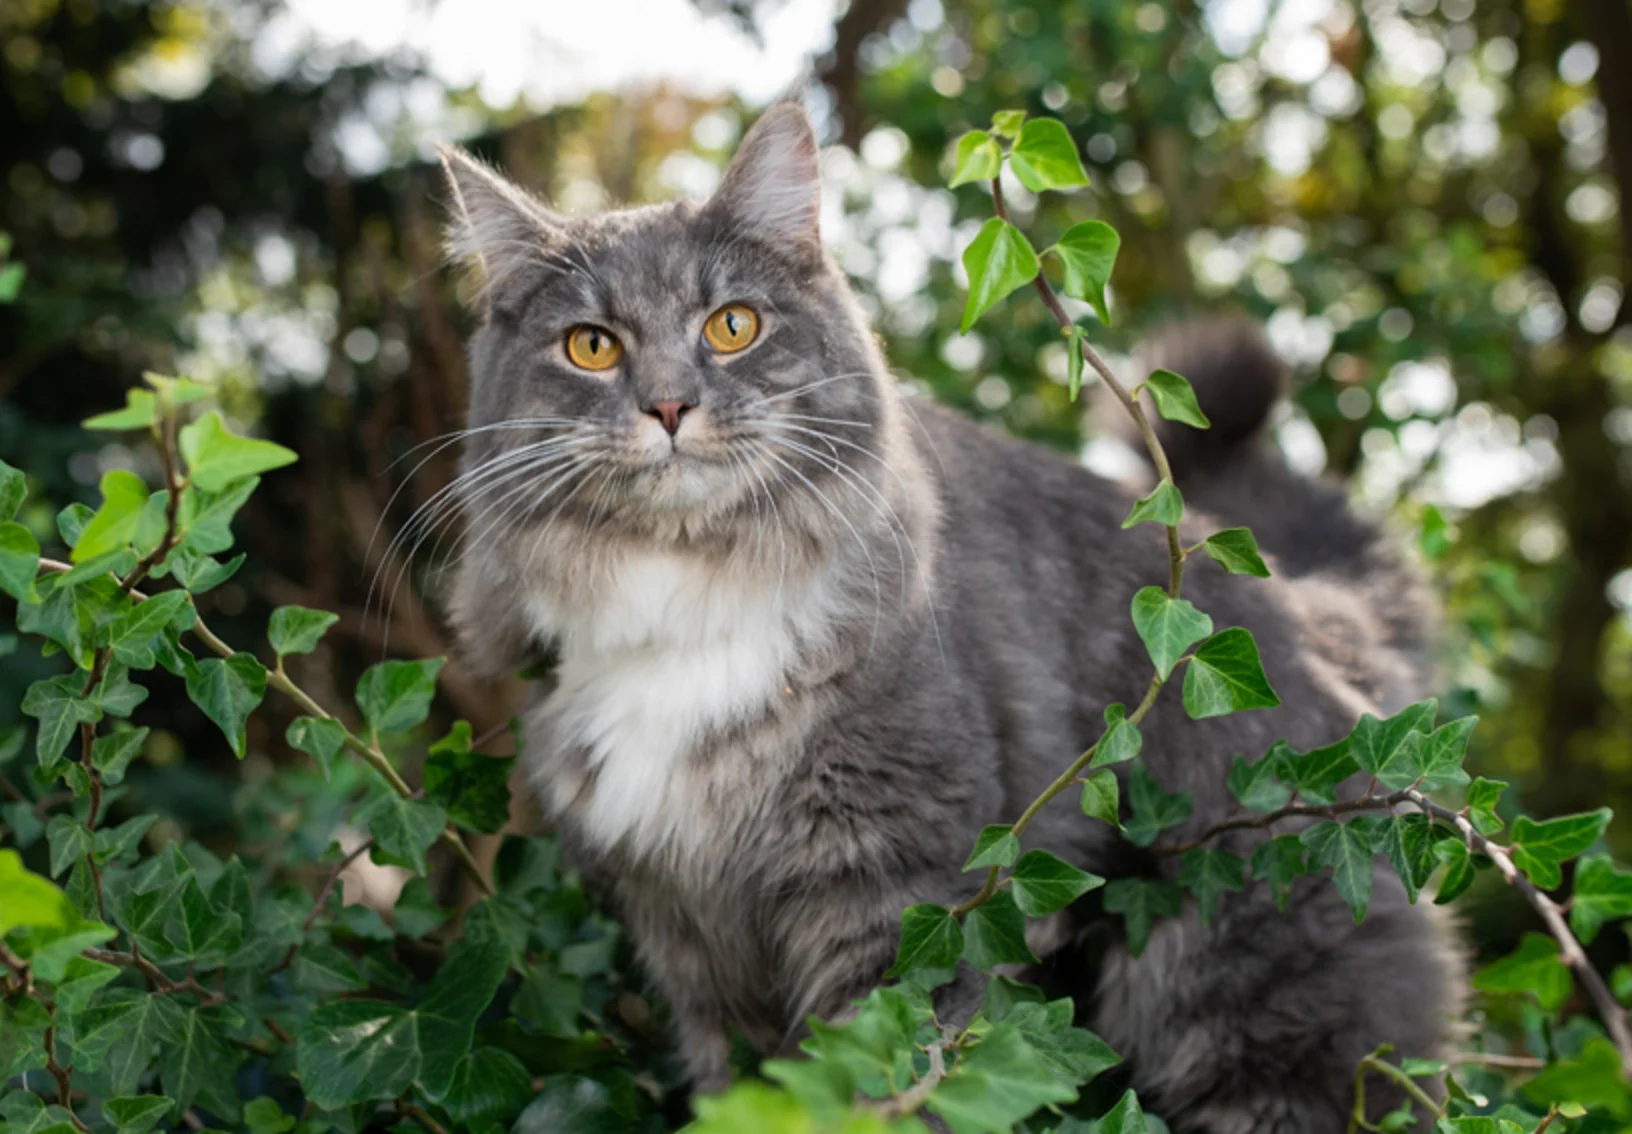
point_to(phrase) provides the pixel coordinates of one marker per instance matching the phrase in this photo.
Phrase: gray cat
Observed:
(810, 640)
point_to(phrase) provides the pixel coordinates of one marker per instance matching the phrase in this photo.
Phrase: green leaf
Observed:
(1209, 875)
(297, 629)
(1483, 796)
(1225, 676)
(1141, 901)
(1601, 894)
(80, 978)
(207, 516)
(1007, 123)
(228, 691)
(1101, 797)
(112, 753)
(71, 522)
(135, 1114)
(113, 525)
(1408, 841)
(216, 457)
(1045, 157)
(354, 1050)
(1392, 750)
(1165, 505)
(119, 1032)
(11, 281)
(930, 939)
(1446, 748)
(70, 839)
(1043, 883)
(998, 1083)
(19, 562)
(403, 829)
(1175, 399)
(1235, 550)
(999, 260)
(1153, 809)
(319, 737)
(446, 1019)
(1459, 872)
(144, 621)
(1255, 785)
(141, 411)
(1534, 967)
(26, 899)
(472, 787)
(490, 1084)
(978, 159)
(1123, 1118)
(199, 1064)
(396, 695)
(1167, 626)
(112, 843)
(1592, 1078)
(200, 932)
(1087, 252)
(13, 491)
(1120, 741)
(265, 1116)
(1280, 862)
(994, 934)
(60, 708)
(1539, 849)
(1346, 848)
(994, 846)
(1314, 775)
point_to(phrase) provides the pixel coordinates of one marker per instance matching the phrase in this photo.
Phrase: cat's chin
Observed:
(683, 483)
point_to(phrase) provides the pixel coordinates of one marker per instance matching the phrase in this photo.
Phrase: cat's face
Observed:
(680, 366)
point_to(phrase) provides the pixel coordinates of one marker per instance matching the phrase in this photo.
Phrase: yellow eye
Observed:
(731, 328)
(593, 348)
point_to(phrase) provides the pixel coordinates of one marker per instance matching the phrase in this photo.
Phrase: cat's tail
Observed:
(1344, 562)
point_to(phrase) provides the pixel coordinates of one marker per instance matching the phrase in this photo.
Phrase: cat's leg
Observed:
(1255, 1024)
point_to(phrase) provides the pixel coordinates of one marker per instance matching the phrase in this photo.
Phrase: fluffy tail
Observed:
(1354, 576)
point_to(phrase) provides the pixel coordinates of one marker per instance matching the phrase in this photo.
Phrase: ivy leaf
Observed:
(1601, 894)
(1408, 841)
(60, 708)
(200, 932)
(1225, 676)
(1280, 862)
(1101, 797)
(997, 1084)
(1235, 550)
(994, 846)
(1315, 774)
(930, 939)
(216, 457)
(19, 562)
(396, 695)
(265, 1116)
(321, 738)
(472, 787)
(1209, 875)
(297, 629)
(1534, 967)
(1121, 740)
(1154, 810)
(13, 491)
(488, 1084)
(112, 753)
(112, 843)
(1392, 749)
(113, 525)
(354, 1050)
(1167, 626)
(1453, 852)
(446, 1017)
(1346, 848)
(119, 1032)
(1165, 505)
(26, 899)
(1539, 849)
(141, 410)
(1045, 157)
(1175, 399)
(135, 1114)
(999, 260)
(200, 1063)
(1007, 123)
(403, 829)
(1141, 901)
(228, 691)
(1123, 1118)
(70, 840)
(1255, 785)
(1483, 796)
(1043, 883)
(1087, 252)
(207, 516)
(978, 159)
(132, 632)
(1446, 748)
(994, 933)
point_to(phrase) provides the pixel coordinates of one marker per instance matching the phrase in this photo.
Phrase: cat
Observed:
(810, 638)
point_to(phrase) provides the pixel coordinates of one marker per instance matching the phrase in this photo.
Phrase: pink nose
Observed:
(669, 413)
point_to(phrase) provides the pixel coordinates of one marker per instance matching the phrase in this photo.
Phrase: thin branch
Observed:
(322, 898)
(914, 1097)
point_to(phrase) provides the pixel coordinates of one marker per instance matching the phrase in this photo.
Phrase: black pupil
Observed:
(731, 324)
(594, 342)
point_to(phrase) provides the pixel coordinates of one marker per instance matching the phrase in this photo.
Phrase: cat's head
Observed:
(677, 367)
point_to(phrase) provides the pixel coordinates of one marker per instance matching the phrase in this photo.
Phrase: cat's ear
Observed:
(494, 225)
(773, 188)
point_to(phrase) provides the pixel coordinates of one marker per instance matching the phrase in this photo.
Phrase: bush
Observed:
(156, 983)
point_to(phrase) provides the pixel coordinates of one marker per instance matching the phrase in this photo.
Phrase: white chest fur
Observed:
(661, 652)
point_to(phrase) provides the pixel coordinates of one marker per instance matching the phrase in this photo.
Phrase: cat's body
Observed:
(803, 661)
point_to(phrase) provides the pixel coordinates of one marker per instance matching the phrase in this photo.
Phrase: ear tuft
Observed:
(773, 187)
(495, 225)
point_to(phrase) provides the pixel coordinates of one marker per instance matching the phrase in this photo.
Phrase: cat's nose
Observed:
(669, 413)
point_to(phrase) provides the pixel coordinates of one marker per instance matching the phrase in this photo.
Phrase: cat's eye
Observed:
(731, 328)
(592, 348)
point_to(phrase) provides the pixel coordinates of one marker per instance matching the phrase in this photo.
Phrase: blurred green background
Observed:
(1420, 199)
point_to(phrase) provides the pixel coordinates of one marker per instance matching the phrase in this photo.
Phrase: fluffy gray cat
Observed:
(809, 641)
